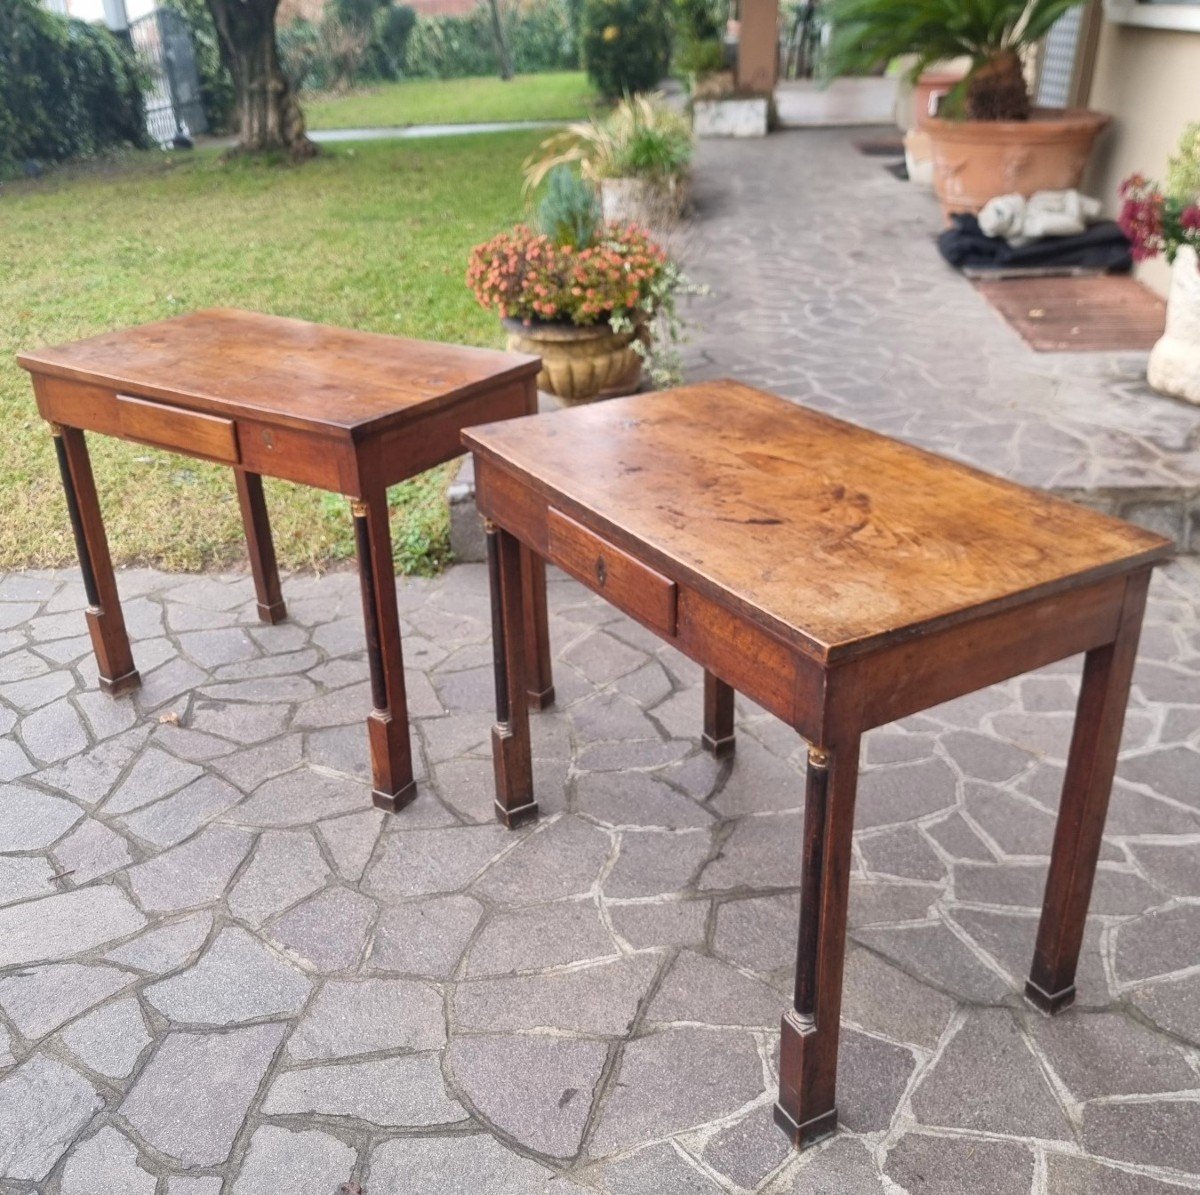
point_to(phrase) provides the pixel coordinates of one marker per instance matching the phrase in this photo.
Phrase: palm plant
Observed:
(993, 34)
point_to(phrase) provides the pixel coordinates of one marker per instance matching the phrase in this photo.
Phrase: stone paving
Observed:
(827, 288)
(222, 971)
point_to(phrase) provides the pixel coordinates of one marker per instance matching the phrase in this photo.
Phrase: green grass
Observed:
(562, 95)
(371, 236)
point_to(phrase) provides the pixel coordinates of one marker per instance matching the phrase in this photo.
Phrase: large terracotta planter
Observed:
(1174, 367)
(579, 364)
(928, 91)
(976, 160)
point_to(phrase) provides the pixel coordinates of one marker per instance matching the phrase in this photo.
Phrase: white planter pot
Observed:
(639, 201)
(1174, 367)
(734, 117)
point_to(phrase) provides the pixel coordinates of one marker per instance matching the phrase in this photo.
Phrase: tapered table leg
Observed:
(510, 736)
(806, 1110)
(718, 737)
(260, 546)
(1091, 764)
(105, 622)
(539, 675)
(387, 726)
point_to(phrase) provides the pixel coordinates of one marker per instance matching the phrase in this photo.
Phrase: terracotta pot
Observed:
(1174, 367)
(976, 160)
(579, 364)
(928, 92)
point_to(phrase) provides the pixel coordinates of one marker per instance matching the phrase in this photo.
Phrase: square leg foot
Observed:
(122, 684)
(1048, 1002)
(394, 802)
(811, 1131)
(719, 748)
(512, 818)
(540, 701)
(272, 615)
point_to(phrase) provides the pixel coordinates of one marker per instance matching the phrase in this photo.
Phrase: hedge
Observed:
(67, 89)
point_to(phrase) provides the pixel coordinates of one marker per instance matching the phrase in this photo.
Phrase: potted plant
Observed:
(1168, 222)
(582, 294)
(987, 139)
(638, 156)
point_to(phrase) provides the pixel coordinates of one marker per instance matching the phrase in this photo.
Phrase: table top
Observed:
(290, 372)
(840, 539)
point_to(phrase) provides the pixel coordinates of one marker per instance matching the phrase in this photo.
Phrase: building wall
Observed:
(1149, 80)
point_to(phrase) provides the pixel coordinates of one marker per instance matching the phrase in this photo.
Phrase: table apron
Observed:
(325, 462)
(927, 670)
(733, 648)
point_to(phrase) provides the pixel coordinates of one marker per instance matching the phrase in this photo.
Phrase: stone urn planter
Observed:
(580, 364)
(649, 202)
(1174, 367)
(976, 160)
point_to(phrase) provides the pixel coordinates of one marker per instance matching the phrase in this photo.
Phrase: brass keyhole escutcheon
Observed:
(601, 570)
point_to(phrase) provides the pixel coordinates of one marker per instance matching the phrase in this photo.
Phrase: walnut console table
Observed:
(841, 580)
(350, 412)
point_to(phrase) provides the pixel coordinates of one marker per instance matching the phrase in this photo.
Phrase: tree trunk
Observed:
(269, 116)
(506, 70)
(996, 90)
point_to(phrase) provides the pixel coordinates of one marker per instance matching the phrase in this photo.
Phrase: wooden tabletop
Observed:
(839, 538)
(295, 373)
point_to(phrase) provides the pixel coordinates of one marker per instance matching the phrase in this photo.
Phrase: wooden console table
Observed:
(350, 412)
(841, 580)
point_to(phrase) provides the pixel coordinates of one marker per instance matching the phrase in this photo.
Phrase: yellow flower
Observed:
(612, 32)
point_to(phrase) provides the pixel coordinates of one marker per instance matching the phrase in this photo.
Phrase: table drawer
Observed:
(628, 583)
(172, 427)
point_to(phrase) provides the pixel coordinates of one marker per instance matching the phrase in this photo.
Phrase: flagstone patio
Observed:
(221, 971)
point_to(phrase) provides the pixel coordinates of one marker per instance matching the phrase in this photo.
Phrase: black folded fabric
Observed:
(1102, 247)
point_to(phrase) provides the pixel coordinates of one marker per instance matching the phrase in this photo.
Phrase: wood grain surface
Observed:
(839, 539)
(298, 374)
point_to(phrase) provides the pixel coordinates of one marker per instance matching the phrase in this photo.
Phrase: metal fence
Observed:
(173, 103)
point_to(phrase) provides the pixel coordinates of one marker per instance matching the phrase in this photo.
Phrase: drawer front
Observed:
(192, 432)
(624, 580)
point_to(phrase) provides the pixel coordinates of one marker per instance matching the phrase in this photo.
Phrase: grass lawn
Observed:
(371, 236)
(561, 95)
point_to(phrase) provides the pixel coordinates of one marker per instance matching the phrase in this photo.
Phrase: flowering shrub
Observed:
(1156, 223)
(525, 275)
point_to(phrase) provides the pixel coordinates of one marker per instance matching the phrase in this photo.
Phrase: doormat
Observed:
(1104, 313)
(881, 147)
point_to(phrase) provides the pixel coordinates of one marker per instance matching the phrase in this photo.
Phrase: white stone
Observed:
(166, 946)
(40, 999)
(455, 1166)
(363, 1016)
(106, 1164)
(191, 1098)
(65, 924)
(388, 1092)
(287, 866)
(43, 1104)
(22, 878)
(30, 820)
(731, 117)
(237, 979)
(1174, 366)
(109, 1040)
(279, 1160)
